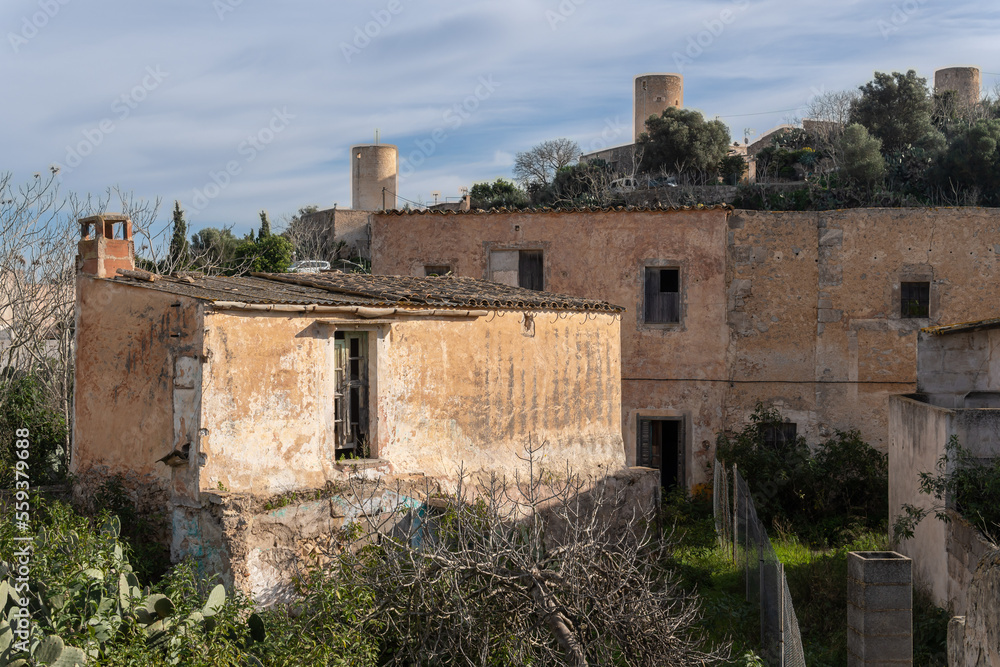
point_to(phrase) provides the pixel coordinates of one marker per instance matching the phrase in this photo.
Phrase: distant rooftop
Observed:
(358, 289)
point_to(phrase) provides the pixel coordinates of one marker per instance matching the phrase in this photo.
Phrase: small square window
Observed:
(776, 435)
(436, 270)
(914, 299)
(662, 303)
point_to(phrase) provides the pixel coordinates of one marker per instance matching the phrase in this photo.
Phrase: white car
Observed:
(309, 266)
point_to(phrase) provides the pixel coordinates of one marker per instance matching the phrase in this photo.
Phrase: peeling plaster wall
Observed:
(127, 340)
(444, 392)
(265, 387)
(670, 371)
(474, 392)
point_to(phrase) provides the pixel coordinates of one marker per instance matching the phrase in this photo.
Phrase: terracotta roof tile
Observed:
(357, 289)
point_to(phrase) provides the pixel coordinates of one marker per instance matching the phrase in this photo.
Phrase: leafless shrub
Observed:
(542, 569)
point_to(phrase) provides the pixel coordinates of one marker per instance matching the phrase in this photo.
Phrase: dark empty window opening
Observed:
(662, 303)
(351, 394)
(915, 299)
(776, 435)
(437, 270)
(529, 269)
(661, 446)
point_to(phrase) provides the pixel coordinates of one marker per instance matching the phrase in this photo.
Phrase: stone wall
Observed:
(814, 306)
(261, 543)
(966, 548)
(974, 639)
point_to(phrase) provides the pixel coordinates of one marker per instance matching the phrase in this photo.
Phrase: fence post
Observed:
(760, 602)
(781, 614)
(736, 509)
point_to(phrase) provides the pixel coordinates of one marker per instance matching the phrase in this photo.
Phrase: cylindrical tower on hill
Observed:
(374, 167)
(653, 94)
(965, 81)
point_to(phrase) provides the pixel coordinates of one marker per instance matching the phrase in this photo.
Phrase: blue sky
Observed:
(233, 106)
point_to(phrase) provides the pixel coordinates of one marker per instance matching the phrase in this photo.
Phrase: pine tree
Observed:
(179, 246)
(265, 226)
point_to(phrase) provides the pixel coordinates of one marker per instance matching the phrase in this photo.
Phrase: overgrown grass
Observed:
(817, 580)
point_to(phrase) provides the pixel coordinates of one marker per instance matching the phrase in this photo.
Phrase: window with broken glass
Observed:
(351, 394)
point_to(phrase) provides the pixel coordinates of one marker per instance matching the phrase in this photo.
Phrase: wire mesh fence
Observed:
(743, 536)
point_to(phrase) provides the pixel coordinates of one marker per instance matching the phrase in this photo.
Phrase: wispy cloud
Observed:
(228, 74)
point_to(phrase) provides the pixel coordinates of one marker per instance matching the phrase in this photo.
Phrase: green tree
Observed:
(265, 225)
(501, 193)
(972, 160)
(897, 109)
(180, 250)
(861, 157)
(214, 250)
(683, 142)
(272, 254)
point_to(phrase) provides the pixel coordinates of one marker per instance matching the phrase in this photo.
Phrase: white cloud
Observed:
(227, 76)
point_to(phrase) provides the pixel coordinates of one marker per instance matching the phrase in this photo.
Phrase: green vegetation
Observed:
(962, 481)
(500, 193)
(817, 580)
(25, 403)
(825, 497)
(682, 142)
(180, 251)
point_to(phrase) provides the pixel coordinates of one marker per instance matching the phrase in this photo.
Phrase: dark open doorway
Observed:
(661, 446)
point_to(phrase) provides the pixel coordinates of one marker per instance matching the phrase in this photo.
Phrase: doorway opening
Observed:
(660, 445)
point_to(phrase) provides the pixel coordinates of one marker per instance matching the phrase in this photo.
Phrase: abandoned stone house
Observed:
(206, 391)
(815, 312)
(957, 395)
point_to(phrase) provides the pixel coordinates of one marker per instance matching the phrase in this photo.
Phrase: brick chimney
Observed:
(105, 245)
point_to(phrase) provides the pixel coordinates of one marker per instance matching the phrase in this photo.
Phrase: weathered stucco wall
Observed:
(667, 371)
(474, 393)
(127, 341)
(815, 305)
(917, 434)
(445, 392)
(267, 402)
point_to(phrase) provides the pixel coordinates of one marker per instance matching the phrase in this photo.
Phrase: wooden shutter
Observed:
(529, 269)
(662, 303)
(644, 446)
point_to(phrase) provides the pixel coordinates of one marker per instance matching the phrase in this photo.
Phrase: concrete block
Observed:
(879, 567)
(879, 611)
(829, 315)
(888, 648)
